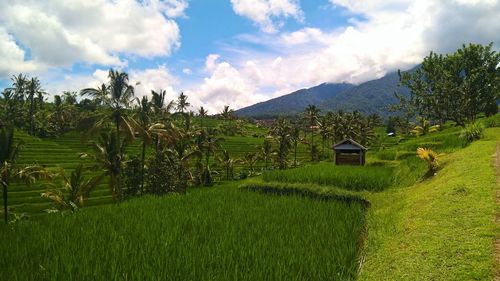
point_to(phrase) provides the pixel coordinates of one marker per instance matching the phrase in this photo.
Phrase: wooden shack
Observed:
(349, 152)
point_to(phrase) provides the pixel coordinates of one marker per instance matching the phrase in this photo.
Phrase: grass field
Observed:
(411, 228)
(372, 178)
(217, 234)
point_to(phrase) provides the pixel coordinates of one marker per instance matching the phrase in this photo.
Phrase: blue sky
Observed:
(235, 52)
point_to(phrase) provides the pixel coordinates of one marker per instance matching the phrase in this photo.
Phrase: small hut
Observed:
(349, 152)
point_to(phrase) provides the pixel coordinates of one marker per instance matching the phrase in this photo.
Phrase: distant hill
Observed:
(295, 102)
(370, 97)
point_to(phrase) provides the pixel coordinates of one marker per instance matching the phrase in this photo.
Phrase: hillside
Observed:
(369, 97)
(295, 102)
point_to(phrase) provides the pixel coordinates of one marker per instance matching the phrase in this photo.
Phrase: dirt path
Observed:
(497, 241)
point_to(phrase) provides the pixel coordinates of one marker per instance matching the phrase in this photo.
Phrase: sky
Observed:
(231, 52)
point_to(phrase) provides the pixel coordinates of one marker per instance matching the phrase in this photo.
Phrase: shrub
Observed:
(132, 175)
(162, 178)
(429, 156)
(472, 132)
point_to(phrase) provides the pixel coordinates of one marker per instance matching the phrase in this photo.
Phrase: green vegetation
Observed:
(442, 228)
(371, 178)
(398, 218)
(218, 234)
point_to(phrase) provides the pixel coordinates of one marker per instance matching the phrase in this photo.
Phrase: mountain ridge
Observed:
(373, 96)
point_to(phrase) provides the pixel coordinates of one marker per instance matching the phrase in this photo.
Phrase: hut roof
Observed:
(349, 144)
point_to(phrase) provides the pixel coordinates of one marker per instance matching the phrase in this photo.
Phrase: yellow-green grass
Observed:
(222, 233)
(441, 228)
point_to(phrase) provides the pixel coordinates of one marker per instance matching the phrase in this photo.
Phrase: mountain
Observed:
(370, 97)
(295, 102)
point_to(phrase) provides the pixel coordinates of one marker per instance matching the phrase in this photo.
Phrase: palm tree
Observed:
(202, 112)
(250, 158)
(34, 94)
(228, 163)
(182, 103)
(295, 138)
(9, 170)
(108, 157)
(147, 131)
(324, 131)
(117, 97)
(74, 191)
(227, 113)
(60, 114)
(312, 115)
(266, 151)
(181, 152)
(281, 131)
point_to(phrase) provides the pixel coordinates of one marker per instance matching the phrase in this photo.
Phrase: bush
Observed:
(162, 178)
(132, 174)
(472, 132)
(429, 156)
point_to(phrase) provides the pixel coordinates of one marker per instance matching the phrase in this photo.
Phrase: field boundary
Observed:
(497, 218)
(307, 190)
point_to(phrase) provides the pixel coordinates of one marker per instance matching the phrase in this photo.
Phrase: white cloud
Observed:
(225, 86)
(269, 15)
(154, 79)
(392, 35)
(174, 8)
(144, 81)
(187, 71)
(58, 33)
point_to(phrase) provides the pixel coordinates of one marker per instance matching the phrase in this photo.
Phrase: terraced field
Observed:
(64, 152)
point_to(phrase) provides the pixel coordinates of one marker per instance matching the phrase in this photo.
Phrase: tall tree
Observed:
(202, 112)
(455, 87)
(182, 103)
(228, 163)
(108, 153)
(266, 151)
(117, 97)
(312, 118)
(34, 97)
(147, 130)
(281, 133)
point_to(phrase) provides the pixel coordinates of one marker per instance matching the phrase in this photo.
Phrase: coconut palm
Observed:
(108, 157)
(34, 94)
(147, 130)
(281, 131)
(9, 170)
(202, 112)
(181, 152)
(312, 119)
(74, 191)
(266, 152)
(250, 158)
(182, 103)
(61, 114)
(117, 97)
(227, 162)
(295, 138)
(324, 131)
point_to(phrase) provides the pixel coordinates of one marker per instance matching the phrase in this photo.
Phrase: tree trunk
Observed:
(32, 118)
(295, 155)
(5, 206)
(142, 165)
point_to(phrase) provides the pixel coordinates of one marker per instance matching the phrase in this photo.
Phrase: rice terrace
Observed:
(113, 173)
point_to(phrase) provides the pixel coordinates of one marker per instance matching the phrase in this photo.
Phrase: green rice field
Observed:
(222, 233)
(371, 178)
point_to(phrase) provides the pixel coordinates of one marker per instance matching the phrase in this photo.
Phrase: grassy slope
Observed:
(438, 229)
